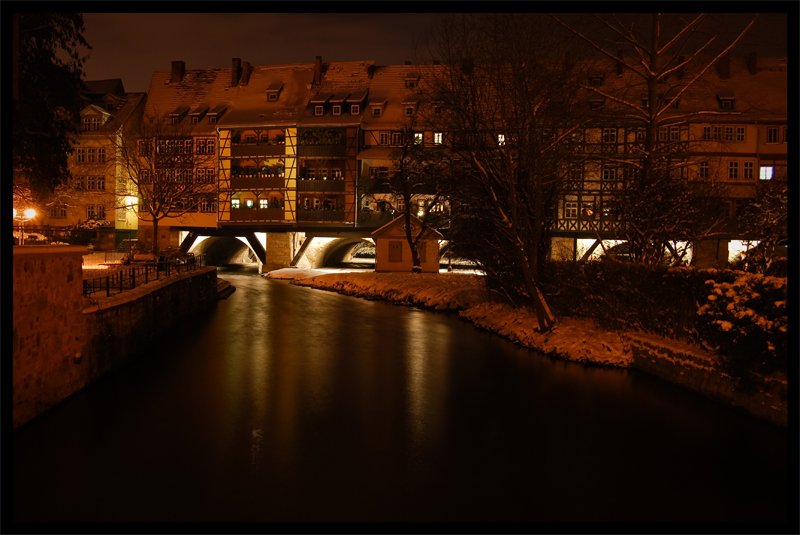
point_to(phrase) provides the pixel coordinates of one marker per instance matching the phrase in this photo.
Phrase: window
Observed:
(101, 155)
(570, 210)
(101, 183)
(212, 119)
(263, 203)
(323, 173)
(401, 204)
(740, 134)
(311, 174)
(355, 109)
(176, 120)
(87, 124)
(91, 155)
(144, 176)
(58, 211)
(208, 205)
(733, 169)
(437, 110)
(376, 112)
(409, 110)
(187, 146)
(121, 213)
(703, 170)
(80, 155)
(248, 203)
(640, 134)
(95, 123)
(784, 134)
(726, 104)
(209, 146)
(95, 211)
(417, 138)
(437, 138)
(772, 134)
(587, 209)
(383, 138)
(609, 174)
(337, 109)
(501, 140)
(195, 119)
(273, 97)
(609, 135)
(748, 170)
(234, 203)
(765, 173)
(595, 81)
(395, 251)
(674, 133)
(729, 133)
(663, 133)
(397, 138)
(337, 174)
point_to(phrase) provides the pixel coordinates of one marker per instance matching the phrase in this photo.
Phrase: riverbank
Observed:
(574, 339)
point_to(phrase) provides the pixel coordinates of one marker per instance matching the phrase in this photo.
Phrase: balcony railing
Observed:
(320, 185)
(257, 214)
(322, 151)
(323, 216)
(253, 149)
(254, 182)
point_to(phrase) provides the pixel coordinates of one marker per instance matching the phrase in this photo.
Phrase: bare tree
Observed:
(504, 91)
(660, 57)
(164, 170)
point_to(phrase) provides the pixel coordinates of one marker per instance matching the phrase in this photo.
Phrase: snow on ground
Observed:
(572, 338)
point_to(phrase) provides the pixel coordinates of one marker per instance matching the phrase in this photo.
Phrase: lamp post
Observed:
(27, 215)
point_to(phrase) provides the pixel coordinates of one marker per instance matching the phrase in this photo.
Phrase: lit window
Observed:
(772, 135)
(748, 169)
(587, 210)
(501, 140)
(337, 173)
(337, 109)
(704, 170)
(248, 203)
(235, 203)
(418, 138)
(765, 173)
(437, 138)
(354, 109)
(263, 203)
(609, 135)
(733, 169)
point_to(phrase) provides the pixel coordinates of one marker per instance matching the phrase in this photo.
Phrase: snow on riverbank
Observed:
(572, 339)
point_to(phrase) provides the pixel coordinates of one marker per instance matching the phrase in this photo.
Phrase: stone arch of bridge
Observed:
(224, 250)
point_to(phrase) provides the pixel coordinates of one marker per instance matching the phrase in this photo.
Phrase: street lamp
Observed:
(27, 215)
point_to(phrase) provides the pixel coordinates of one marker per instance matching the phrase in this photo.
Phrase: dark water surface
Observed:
(286, 403)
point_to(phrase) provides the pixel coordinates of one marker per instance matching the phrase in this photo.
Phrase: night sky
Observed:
(132, 46)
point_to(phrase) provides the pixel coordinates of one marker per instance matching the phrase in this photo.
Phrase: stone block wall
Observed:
(49, 326)
(59, 346)
(278, 251)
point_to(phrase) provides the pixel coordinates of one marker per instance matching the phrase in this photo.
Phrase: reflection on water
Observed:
(287, 403)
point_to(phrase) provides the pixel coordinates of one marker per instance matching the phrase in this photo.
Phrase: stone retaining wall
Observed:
(59, 347)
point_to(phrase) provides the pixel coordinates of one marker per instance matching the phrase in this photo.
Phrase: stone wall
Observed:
(278, 251)
(49, 326)
(60, 346)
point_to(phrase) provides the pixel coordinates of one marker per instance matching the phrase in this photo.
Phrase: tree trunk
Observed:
(155, 238)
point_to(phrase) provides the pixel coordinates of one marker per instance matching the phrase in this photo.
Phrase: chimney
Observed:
(318, 70)
(724, 66)
(236, 71)
(681, 70)
(245, 72)
(752, 63)
(178, 69)
(619, 62)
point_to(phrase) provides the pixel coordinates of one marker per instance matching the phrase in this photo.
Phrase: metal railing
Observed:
(129, 277)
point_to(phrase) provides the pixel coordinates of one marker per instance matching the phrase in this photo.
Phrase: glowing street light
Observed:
(27, 215)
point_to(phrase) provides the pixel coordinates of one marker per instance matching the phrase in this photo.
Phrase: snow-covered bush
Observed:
(749, 321)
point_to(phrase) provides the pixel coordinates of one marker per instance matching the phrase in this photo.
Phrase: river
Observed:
(284, 403)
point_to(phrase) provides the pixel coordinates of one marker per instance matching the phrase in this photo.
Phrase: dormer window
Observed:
(110, 106)
(356, 101)
(212, 119)
(195, 119)
(409, 110)
(376, 112)
(337, 109)
(274, 91)
(596, 80)
(412, 80)
(355, 109)
(726, 99)
(318, 110)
